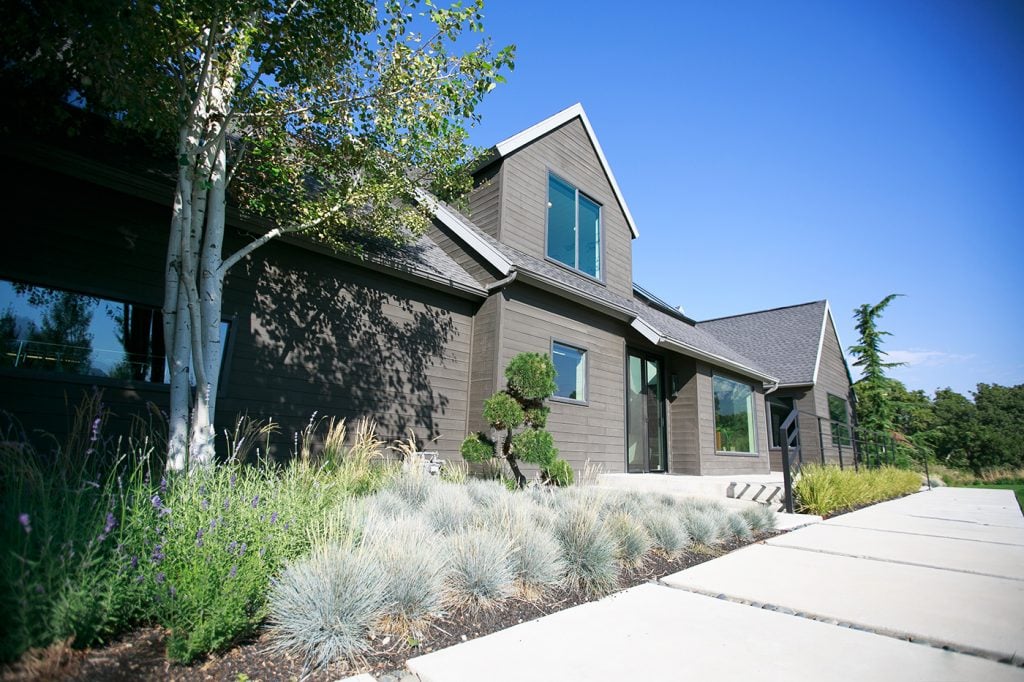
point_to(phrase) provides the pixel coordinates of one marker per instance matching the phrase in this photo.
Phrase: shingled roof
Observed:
(786, 341)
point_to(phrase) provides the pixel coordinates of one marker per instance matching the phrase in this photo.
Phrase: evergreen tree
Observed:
(876, 410)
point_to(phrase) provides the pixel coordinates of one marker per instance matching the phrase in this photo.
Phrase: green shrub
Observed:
(531, 376)
(558, 472)
(826, 490)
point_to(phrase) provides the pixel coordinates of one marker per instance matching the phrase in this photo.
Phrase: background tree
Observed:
(531, 381)
(875, 408)
(322, 117)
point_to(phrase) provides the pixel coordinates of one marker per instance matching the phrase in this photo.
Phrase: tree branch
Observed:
(234, 258)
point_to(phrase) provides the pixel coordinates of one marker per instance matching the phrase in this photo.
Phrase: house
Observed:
(416, 337)
(799, 345)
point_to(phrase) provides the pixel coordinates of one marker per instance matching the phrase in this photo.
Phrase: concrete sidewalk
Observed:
(873, 594)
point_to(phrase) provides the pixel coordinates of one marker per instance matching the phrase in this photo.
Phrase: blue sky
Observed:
(777, 153)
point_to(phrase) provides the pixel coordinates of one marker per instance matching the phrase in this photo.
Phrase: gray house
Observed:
(799, 344)
(415, 338)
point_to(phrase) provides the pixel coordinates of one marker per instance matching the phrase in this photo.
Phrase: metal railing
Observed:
(841, 443)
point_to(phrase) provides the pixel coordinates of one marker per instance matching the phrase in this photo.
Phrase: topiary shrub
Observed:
(530, 379)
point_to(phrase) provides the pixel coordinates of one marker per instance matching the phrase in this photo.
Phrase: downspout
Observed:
(774, 387)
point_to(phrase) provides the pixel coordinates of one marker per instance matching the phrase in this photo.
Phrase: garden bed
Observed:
(140, 655)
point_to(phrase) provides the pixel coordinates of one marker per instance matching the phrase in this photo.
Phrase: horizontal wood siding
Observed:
(485, 199)
(832, 378)
(483, 373)
(566, 151)
(716, 464)
(458, 252)
(596, 431)
(684, 440)
(308, 332)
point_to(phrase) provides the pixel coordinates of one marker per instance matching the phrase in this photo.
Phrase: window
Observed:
(778, 410)
(574, 228)
(840, 421)
(55, 330)
(734, 416)
(570, 371)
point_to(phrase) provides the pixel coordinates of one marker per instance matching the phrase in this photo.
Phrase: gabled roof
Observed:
(662, 329)
(535, 132)
(787, 341)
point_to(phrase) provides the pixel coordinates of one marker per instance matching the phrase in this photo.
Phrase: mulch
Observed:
(141, 655)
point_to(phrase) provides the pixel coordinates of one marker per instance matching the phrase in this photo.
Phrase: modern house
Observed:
(417, 337)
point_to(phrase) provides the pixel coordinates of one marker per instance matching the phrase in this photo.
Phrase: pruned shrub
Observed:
(480, 564)
(558, 472)
(322, 607)
(589, 549)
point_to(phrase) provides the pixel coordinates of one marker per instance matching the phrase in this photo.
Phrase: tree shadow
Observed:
(344, 341)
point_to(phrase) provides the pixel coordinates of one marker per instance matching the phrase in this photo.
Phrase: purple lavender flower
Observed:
(231, 481)
(199, 538)
(25, 522)
(202, 490)
(171, 591)
(111, 523)
(255, 501)
(242, 549)
(232, 546)
(156, 502)
(234, 571)
(205, 504)
(134, 563)
(227, 503)
(158, 554)
(273, 518)
(159, 578)
(213, 523)
(163, 485)
(95, 430)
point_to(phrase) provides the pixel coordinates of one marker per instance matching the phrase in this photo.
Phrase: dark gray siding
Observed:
(596, 431)
(484, 372)
(457, 251)
(308, 332)
(832, 378)
(567, 152)
(716, 464)
(485, 199)
(684, 431)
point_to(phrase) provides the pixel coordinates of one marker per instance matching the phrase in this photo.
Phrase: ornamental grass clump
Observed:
(481, 574)
(413, 486)
(536, 555)
(588, 548)
(705, 526)
(323, 607)
(739, 528)
(668, 531)
(448, 508)
(414, 570)
(826, 490)
(486, 493)
(760, 517)
(632, 540)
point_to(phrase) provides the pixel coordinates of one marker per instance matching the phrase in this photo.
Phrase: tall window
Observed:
(574, 228)
(570, 371)
(55, 330)
(840, 419)
(734, 416)
(778, 410)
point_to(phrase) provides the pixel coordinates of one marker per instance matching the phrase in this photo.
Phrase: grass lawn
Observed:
(1017, 488)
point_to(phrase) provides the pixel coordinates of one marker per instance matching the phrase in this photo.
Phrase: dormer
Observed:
(549, 192)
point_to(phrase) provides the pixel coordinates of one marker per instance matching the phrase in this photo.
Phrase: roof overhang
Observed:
(534, 132)
(454, 222)
(659, 339)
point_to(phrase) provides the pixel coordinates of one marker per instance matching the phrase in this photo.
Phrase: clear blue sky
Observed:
(783, 152)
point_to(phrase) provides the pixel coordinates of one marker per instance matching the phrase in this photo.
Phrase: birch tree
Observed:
(318, 117)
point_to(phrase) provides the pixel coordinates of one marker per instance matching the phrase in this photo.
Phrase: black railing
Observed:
(838, 442)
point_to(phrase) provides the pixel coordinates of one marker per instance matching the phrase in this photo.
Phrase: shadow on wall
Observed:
(345, 348)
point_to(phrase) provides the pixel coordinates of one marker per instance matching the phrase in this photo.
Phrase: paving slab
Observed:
(968, 611)
(978, 506)
(971, 556)
(658, 633)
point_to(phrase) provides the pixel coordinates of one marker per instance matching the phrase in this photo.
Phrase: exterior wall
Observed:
(530, 320)
(485, 199)
(568, 153)
(457, 251)
(308, 332)
(803, 401)
(722, 464)
(684, 431)
(484, 371)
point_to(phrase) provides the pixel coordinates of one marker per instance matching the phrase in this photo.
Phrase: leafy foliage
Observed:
(874, 404)
(825, 490)
(531, 376)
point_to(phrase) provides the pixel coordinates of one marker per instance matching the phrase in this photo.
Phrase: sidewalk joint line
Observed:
(927, 535)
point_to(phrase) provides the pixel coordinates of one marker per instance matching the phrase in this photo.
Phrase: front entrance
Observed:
(645, 414)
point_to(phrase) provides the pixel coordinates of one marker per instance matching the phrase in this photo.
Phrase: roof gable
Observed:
(785, 341)
(539, 130)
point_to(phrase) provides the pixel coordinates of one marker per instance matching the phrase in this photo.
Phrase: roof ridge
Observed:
(766, 310)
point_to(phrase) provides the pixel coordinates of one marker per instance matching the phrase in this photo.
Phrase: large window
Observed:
(778, 410)
(734, 416)
(55, 330)
(570, 371)
(574, 228)
(840, 421)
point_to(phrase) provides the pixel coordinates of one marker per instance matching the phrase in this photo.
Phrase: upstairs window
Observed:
(574, 228)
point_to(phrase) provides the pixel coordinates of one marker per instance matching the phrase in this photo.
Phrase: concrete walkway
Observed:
(875, 594)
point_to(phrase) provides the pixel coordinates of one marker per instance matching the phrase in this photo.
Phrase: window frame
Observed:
(586, 372)
(561, 177)
(839, 439)
(752, 422)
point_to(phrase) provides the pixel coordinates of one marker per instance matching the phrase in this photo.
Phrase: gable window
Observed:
(574, 228)
(734, 416)
(570, 371)
(55, 330)
(778, 410)
(840, 420)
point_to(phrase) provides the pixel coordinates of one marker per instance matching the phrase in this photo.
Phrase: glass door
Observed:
(645, 414)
